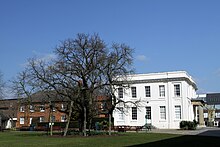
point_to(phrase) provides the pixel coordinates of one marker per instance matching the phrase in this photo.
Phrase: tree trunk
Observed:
(109, 124)
(68, 119)
(84, 121)
(51, 123)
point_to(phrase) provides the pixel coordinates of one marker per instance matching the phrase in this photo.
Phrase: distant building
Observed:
(8, 113)
(41, 108)
(165, 100)
(212, 108)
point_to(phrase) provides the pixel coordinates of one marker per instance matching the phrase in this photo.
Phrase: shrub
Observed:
(188, 125)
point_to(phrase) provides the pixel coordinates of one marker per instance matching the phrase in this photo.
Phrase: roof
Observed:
(159, 77)
(42, 96)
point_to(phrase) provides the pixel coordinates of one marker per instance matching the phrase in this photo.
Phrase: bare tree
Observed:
(2, 85)
(84, 68)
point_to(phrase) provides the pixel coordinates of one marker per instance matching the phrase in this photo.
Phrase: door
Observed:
(148, 115)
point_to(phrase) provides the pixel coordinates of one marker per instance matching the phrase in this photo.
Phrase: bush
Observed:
(188, 125)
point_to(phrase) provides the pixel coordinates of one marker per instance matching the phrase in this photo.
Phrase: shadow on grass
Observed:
(184, 141)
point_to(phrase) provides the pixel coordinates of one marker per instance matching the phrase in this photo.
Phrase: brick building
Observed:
(8, 113)
(40, 108)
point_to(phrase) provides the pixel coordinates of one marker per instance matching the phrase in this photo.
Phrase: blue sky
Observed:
(167, 35)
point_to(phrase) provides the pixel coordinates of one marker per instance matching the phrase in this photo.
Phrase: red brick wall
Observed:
(27, 114)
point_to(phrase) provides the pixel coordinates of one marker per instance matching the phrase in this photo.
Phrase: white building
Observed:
(164, 99)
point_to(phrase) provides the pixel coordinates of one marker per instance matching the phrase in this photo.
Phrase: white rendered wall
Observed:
(187, 91)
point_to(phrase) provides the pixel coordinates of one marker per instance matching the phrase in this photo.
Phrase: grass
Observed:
(25, 139)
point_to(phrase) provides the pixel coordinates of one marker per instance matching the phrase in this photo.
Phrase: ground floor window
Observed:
(63, 118)
(162, 112)
(120, 113)
(178, 112)
(21, 120)
(134, 113)
(41, 119)
(148, 113)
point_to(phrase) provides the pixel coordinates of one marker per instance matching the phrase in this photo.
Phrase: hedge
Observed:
(188, 125)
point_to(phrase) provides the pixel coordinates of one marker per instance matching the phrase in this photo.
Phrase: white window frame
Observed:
(22, 108)
(42, 119)
(30, 120)
(21, 120)
(42, 108)
(63, 118)
(120, 93)
(178, 112)
(31, 108)
(63, 107)
(163, 112)
(177, 90)
(147, 91)
(120, 113)
(162, 90)
(133, 92)
(134, 114)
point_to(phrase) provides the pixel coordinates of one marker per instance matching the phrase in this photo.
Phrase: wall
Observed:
(188, 91)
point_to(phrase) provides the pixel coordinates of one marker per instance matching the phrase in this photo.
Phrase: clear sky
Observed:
(167, 35)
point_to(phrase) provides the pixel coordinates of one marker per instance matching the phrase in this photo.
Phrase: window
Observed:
(217, 115)
(21, 120)
(41, 119)
(22, 109)
(162, 112)
(205, 115)
(133, 92)
(162, 90)
(148, 113)
(63, 118)
(147, 91)
(134, 113)
(103, 106)
(178, 112)
(120, 92)
(31, 120)
(63, 107)
(120, 113)
(42, 108)
(53, 118)
(177, 90)
(31, 108)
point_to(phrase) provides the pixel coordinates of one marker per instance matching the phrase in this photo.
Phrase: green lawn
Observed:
(33, 139)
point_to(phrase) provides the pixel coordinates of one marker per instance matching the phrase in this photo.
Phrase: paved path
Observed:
(206, 131)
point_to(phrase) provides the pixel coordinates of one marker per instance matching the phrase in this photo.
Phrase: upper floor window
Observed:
(31, 108)
(133, 92)
(22, 109)
(147, 91)
(120, 92)
(42, 108)
(103, 106)
(63, 107)
(162, 90)
(177, 90)
(134, 113)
